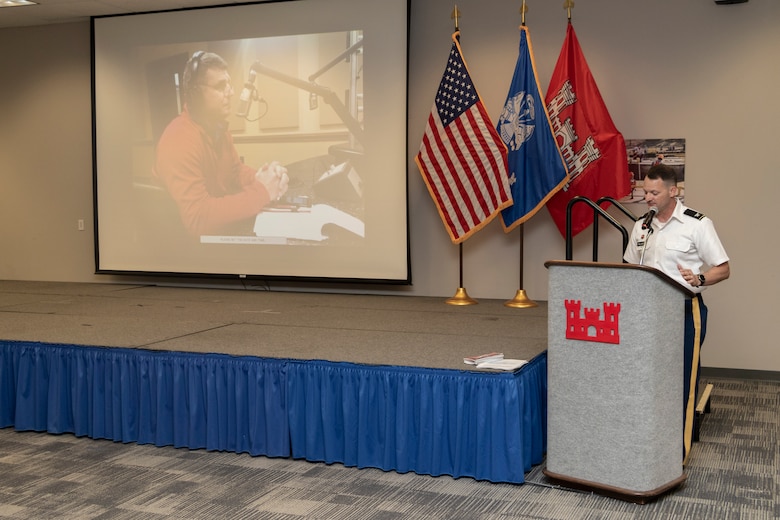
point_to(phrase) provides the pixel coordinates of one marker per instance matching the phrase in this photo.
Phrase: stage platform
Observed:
(362, 380)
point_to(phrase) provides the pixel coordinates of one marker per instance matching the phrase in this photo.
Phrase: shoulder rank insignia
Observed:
(695, 214)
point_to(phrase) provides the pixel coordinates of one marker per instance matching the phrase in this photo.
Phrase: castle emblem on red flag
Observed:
(588, 325)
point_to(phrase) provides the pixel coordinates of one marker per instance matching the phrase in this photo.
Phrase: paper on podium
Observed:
(306, 223)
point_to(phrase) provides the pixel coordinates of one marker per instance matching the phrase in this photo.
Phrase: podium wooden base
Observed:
(628, 495)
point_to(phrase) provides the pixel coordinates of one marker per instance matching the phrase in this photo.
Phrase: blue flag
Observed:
(536, 168)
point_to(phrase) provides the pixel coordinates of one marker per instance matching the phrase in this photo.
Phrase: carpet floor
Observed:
(733, 473)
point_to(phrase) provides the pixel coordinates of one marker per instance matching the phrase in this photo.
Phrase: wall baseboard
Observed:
(736, 373)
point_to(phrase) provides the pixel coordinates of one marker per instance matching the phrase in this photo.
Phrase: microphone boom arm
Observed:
(325, 93)
(338, 59)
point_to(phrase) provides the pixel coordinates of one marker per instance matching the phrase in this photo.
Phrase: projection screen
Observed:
(311, 94)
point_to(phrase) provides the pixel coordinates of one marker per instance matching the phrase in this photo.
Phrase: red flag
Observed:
(462, 159)
(594, 150)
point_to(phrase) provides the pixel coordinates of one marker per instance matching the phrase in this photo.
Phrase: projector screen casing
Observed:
(351, 169)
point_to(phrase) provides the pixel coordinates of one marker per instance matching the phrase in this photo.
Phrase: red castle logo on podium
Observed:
(591, 327)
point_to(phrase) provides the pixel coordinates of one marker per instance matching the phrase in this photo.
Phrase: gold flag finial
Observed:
(523, 10)
(568, 5)
(455, 16)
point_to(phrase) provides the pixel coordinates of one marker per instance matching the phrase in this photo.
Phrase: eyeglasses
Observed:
(222, 87)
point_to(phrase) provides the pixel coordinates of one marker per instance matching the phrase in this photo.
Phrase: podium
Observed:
(615, 379)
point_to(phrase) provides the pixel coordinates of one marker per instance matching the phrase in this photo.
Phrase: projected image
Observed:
(279, 153)
(219, 196)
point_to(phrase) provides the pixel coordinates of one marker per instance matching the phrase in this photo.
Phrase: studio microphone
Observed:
(649, 217)
(245, 100)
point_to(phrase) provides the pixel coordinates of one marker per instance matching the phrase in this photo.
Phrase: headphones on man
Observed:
(190, 79)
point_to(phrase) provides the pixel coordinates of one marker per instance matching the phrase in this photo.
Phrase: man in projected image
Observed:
(196, 160)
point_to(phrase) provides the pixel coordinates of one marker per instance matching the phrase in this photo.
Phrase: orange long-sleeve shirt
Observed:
(205, 176)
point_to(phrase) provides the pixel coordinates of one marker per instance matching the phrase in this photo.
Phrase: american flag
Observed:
(462, 159)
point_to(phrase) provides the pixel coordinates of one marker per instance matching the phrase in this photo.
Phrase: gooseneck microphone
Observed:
(247, 95)
(649, 217)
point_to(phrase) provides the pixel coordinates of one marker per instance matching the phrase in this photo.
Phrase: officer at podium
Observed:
(683, 244)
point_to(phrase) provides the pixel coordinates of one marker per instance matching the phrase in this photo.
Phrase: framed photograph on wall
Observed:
(644, 153)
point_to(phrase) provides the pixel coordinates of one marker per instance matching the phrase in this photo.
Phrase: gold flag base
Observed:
(521, 301)
(461, 298)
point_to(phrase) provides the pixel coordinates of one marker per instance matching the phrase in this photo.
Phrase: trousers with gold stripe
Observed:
(695, 330)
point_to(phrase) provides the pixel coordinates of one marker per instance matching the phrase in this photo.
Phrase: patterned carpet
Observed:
(733, 474)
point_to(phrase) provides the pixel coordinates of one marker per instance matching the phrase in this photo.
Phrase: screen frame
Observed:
(108, 267)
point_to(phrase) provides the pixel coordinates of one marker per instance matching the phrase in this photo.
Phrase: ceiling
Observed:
(67, 11)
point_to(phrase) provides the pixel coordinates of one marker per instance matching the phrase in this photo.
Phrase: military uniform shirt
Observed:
(688, 238)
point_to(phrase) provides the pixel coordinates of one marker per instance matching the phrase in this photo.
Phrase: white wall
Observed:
(666, 68)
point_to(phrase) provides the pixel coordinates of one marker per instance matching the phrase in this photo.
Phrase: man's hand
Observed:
(274, 177)
(689, 276)
(713, 275)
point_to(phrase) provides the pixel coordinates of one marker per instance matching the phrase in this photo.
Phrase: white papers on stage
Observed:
(305, 223)
(482, 358)
(503, 364)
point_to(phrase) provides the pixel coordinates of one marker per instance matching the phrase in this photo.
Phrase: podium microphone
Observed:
(245, 100)
(649, 217)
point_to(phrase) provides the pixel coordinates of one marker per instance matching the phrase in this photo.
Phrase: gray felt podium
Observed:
(615, 378)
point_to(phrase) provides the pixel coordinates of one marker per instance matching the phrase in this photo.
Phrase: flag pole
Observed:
(521, 299)
(461, 297)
